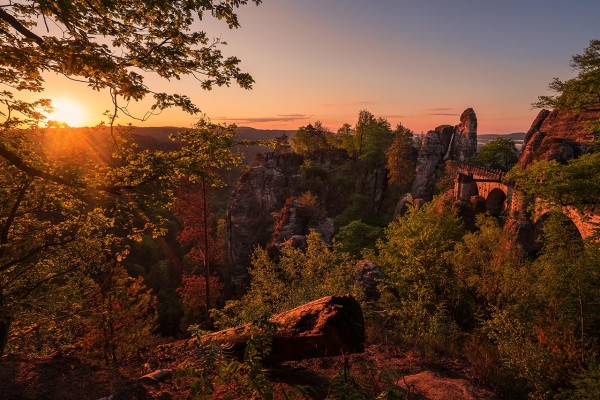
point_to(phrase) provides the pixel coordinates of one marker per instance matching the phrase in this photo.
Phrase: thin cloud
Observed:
(394, 116)
(349, 103)
(440, 109)
(277, 118)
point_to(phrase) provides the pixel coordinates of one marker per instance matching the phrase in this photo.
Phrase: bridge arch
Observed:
(495, 203)
(569, 229)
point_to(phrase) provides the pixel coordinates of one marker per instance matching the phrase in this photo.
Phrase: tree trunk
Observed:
(329, 326)
(5, 321)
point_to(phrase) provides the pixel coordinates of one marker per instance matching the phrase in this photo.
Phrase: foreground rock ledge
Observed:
(329, 326)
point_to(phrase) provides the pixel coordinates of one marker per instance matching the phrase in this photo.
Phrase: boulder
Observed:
(332, 325)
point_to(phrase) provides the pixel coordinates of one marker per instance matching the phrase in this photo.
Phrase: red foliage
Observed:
(189, 208)
(193, 294)
(121, 320)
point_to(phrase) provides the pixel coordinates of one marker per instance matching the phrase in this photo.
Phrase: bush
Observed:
(415, 256)
(299, 277)
(356, 237)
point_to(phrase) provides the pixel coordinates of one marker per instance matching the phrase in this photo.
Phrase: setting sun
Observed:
(69, 112)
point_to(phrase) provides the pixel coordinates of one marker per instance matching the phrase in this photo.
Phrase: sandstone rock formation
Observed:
(559, 135)
(369, 276)
(297, 218)
(260, 192)
(444, 143)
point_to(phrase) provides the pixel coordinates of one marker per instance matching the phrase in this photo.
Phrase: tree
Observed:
(346, 136)
(121, 317)
(500, 153)
(576, 183)
(192, 207)
(193, 295)
(60, 212)
(582, 91)
(546, 326)
(373, 138)
(137, 37)
(400, 156)
(297, 278)
(310, 138)
(357, 236)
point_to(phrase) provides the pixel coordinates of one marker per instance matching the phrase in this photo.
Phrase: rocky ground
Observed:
(377, 369)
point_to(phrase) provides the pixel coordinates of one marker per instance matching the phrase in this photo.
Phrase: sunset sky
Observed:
(416, 62)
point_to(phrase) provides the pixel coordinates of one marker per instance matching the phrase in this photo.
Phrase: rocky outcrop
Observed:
(295, 220)
(260, 192)
(559, 135)
(369, 276)
(464, 142)
(444, 143)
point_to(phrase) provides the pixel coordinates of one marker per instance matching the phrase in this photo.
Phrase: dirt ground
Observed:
(377, 369)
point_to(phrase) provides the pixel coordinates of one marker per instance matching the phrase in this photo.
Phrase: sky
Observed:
(419, 63)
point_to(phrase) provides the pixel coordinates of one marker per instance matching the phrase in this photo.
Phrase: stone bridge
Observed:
(484, 183)
(474, 182)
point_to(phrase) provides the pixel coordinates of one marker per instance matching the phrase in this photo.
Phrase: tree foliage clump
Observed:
(373, 137)
(299, 277)
(500, 154)
(576, 183)
(400, 155)
(310, 138)
(356, 237)
(415, 255)
(578, 93)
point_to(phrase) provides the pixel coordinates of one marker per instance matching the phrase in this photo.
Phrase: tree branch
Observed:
(11, 217)
(32, 253)
(19, 27)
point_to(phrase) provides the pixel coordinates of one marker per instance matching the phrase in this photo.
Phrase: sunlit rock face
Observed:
(559, 136)
(464, 145)
(444, 143)
(260, 192)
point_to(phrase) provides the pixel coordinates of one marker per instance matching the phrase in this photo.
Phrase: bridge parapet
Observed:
(480, 172)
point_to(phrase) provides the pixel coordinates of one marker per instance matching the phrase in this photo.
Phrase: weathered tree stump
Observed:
(329, 326)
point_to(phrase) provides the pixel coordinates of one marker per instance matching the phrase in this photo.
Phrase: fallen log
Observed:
(329, 326)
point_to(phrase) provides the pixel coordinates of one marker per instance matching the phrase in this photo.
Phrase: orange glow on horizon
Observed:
(68, 112)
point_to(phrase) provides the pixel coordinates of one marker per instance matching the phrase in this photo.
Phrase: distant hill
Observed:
(492, 136)
(242, 133)
(516, 137)
(247, 133)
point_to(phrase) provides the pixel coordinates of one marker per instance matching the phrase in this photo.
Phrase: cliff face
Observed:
(444, 143)
(260, 192)
(558, 136)
(276, 201)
